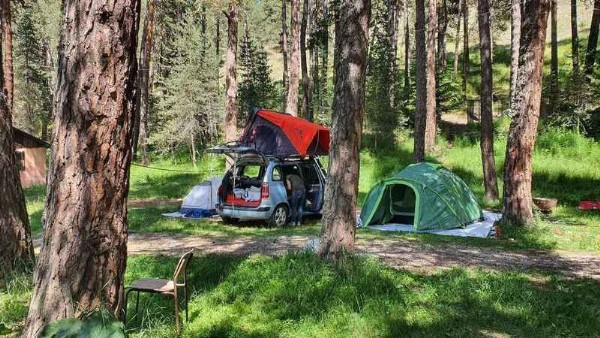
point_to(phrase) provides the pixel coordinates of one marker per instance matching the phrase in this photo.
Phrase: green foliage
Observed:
(32, 73)
(99, 324)
(190, 109)
(256, 90)
(383, 114)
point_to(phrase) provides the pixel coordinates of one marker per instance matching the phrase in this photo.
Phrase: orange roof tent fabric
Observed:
(307, 138)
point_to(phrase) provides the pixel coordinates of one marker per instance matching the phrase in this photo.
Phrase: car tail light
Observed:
(220, 190)
(264, 191)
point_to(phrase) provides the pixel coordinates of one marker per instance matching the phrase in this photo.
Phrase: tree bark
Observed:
(525, 106)
(351, 42)
(140, 123)
(406, 50)
(515, 37)
(420, 82)
(306, 94)
(231, 73)
(82, 261)
(465, 58)
(16, 247)
(553, 57)
(324, 55)
(441, 38)
(7, 38)
(430, 124)
(574, 39)
(457, 37)
(487, 122)
(291, 102)
(284, 48)
(590, 57)
(218, 35)
(392, 34)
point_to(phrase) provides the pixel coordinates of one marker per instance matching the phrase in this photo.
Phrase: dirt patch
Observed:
(398, 253)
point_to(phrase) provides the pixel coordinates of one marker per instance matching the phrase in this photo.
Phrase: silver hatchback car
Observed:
(254, 187)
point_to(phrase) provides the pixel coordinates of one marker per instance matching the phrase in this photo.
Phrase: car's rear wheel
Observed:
(280, 216)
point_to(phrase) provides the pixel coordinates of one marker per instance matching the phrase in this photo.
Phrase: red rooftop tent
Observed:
(282, 135)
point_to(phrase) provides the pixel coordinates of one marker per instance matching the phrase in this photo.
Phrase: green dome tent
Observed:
(426, 195)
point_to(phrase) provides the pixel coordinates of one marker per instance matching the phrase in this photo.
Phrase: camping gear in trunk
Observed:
(424, 195)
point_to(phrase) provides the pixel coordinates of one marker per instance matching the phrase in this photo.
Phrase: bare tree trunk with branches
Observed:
(82, 261)
(284, 47)
(457, 36)
(553, 57)
(406, 50)
(421, 82)
(525, 107)
(7, 38)
(291, 102)
(487, 122)
(351, 42)
(16, 247)
(231, 73)
(441, 40)
(590, 57)
(515, 37)
(306, 93)
(574, 39)
(430, 124)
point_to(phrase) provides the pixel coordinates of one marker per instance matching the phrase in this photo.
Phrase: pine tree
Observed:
(191, 108)
(33, 106)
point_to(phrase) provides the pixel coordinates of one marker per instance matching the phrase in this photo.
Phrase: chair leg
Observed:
(176, 314)
(137, 305)
(125, 307)
(185, 291)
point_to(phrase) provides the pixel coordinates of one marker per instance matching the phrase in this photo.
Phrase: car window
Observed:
(310, 174)
(252, 171)
(276, 174)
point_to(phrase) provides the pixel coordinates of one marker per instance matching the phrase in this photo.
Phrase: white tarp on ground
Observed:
(480, 229)
(200, 201)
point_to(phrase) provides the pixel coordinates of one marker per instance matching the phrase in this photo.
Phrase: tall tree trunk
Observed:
(553, 58)
(7, 38)
(465, 58)
(525, 108)
(15, 235)
(441, 42)
(284, 48)
(515, 38)
(406, 50)
(291, 102)
(324, 55)
(314, 48)
(231, 73)
(430, 124)
(82, 261)
(487, 122)
(306, 94)
(392, 34)
(420, 82)
(590, 57)
(574, 39)
(140, 123)
(457, 36)
(351, 41)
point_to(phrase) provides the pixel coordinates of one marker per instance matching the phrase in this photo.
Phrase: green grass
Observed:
(298, 295)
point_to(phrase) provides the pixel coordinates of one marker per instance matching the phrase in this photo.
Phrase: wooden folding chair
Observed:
(164, 287)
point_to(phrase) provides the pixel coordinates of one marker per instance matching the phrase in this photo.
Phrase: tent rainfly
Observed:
(282, 135)
(426, 195)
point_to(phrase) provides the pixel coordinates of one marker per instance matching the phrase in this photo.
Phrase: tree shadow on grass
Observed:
(300, 295)
(164, 186)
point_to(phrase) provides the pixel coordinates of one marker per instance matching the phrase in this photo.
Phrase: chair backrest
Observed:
(182, 267)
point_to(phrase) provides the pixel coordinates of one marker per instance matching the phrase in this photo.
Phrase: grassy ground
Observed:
(298, 295)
